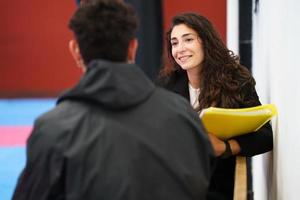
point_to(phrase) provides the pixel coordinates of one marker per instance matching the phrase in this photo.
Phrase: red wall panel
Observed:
(214, 10)
(34, 55)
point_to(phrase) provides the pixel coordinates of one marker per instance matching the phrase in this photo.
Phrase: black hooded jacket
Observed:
(115, 136)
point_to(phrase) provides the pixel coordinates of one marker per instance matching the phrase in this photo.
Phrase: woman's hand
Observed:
(220, 147)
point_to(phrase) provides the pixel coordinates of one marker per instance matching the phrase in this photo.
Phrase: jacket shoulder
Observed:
(61, 118)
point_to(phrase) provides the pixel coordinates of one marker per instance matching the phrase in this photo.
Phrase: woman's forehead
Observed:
(182, 30)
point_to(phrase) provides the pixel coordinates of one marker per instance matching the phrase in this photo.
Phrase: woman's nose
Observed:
(181, 46)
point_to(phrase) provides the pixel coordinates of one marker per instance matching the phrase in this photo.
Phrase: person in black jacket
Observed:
(204, 71)
(114, 135)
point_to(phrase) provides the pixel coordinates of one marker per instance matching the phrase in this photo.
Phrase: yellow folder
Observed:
(227, 123)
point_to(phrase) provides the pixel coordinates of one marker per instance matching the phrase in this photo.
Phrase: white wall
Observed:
(232, 25)
(276, 68)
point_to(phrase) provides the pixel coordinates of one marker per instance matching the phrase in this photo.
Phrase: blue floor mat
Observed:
(23, 111)
(17, 112)
(12, 161)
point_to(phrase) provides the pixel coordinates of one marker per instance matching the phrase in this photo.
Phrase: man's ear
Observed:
(75, 52)
(132, 48)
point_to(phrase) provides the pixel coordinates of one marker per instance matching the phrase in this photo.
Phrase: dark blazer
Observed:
(222, 181)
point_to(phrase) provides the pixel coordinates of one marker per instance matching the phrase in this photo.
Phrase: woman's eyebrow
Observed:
(187, 34)
(184, 35)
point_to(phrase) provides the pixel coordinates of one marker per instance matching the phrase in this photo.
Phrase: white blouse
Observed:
(194, 94)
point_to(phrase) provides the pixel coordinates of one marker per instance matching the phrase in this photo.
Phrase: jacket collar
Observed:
(110, 84)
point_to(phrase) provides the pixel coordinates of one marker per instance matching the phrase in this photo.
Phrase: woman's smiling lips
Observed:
(184, 58)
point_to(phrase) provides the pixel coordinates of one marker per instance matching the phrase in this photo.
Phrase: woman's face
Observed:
(186, 47)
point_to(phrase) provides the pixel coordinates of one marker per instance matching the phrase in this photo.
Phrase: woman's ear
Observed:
(132, 48)
(75, 52)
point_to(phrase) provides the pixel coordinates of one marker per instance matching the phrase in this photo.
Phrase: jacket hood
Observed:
(113, 85)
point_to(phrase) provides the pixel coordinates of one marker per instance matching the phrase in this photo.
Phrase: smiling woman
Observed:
(204, 71)
(187, 51)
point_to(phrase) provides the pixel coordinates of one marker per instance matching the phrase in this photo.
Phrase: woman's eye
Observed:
(174, 44)
(189, 39)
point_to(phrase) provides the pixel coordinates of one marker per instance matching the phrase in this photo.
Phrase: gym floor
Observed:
(16, 120)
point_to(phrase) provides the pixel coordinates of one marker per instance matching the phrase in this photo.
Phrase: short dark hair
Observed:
(104, 29)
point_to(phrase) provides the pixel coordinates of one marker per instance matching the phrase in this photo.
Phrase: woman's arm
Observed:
(250, 144)
(219, 146)
(257, 142)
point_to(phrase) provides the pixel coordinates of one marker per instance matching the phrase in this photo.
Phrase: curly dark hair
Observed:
(222, 77)
(104, 29)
